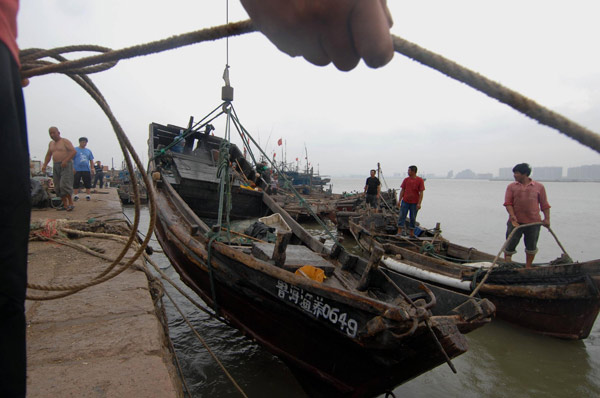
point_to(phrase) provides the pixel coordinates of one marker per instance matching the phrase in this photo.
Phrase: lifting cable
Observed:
(301, 200)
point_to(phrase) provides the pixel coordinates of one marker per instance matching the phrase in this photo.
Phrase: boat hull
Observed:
(325, 362)
(561, 300)
(571, 319)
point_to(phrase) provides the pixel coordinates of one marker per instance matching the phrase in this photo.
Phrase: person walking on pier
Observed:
(523, 200)
(62, 152)
(99, 177)
(409, 202)
(84, 168)
(372, 190)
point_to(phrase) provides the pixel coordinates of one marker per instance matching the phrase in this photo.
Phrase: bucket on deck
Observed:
(276, 221)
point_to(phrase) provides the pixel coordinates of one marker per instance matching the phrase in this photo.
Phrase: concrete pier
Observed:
(104, 341)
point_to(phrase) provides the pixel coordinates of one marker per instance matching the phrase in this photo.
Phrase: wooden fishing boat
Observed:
(359, 332)
(559, 299)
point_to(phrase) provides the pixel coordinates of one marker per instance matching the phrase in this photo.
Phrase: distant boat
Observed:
(306, 180)
(359, 332)
(122, 181)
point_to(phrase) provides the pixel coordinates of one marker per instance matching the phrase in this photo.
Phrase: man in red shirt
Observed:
(411, 196)
(523, 200)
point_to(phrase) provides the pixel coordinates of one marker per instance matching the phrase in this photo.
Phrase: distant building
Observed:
(505, 173)
(547, 173)
(585, 173)
(467, 174)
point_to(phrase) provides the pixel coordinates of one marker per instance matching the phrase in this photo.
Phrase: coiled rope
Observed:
(30, 58)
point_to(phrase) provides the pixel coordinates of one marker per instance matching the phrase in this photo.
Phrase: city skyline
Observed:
(588, 172)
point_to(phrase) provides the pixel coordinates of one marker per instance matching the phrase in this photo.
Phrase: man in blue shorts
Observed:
(84, 168)
(410, 200)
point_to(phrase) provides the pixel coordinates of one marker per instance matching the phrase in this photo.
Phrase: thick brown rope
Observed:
(85, 82)
(71, 289)
(497, 91)
(209, 34)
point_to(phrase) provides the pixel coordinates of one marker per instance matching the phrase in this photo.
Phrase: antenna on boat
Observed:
(226, 90)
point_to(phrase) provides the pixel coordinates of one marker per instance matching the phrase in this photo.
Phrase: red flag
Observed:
(296, 159)
(274, 154)
(279, 142)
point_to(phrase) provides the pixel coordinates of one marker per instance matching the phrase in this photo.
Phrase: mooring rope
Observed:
(86, 83)
(122, 239)
(29, 68)
(74, 288)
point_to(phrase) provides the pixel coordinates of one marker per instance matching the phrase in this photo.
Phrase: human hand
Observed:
(338, 31)
(546, 223)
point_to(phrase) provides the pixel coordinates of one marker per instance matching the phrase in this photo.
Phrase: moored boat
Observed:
(360, 331)
(560, 298)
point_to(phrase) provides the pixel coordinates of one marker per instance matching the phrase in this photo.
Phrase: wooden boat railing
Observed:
(510, 236)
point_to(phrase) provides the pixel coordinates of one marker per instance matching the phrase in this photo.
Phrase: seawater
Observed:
(502, 361)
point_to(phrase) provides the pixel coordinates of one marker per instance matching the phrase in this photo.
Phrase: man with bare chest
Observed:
(62, 152)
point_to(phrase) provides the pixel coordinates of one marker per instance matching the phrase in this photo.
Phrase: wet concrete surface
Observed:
(106, 340)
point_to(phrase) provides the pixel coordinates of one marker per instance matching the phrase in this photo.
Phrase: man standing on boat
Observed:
(62, 152)
(410, 200)
(372, 190)
(523, 200)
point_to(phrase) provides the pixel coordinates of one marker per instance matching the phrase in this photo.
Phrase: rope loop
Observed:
(32, 58)
(428, 248)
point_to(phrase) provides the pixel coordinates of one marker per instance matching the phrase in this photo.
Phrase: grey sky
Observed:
(402, 114)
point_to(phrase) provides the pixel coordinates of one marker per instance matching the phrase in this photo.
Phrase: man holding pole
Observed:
(523, 200)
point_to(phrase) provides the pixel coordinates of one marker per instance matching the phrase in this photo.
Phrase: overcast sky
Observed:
(402, 114)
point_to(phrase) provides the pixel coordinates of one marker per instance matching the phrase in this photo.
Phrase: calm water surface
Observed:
(503, 360)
